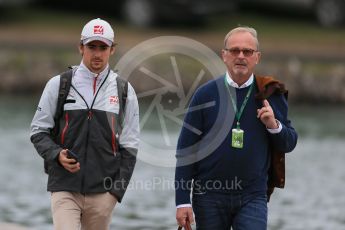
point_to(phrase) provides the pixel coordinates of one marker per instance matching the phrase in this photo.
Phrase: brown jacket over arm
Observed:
(276, 173)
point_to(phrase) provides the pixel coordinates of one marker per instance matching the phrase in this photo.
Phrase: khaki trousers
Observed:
(74, 211)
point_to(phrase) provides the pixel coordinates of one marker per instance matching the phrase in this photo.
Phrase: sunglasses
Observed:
(236, 51)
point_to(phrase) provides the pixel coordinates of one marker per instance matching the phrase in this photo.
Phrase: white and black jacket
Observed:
(90, 127)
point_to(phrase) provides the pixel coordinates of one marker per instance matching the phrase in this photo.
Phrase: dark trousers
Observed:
(219, 211)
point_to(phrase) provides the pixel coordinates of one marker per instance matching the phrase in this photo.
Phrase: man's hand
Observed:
(183, 215)
(70, 165)
(266, 116)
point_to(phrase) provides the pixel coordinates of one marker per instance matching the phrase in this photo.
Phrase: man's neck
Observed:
(95, 73)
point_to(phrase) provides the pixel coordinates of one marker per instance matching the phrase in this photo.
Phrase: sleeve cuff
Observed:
(277, 130)
(184, 206)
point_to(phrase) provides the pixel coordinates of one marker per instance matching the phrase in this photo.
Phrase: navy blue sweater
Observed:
(204, 151)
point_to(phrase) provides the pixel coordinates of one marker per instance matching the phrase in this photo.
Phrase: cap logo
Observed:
(98, 30)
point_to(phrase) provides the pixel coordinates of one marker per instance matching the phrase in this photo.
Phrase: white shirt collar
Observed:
(235, 85)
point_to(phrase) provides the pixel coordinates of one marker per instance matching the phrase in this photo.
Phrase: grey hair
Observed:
(242, 29)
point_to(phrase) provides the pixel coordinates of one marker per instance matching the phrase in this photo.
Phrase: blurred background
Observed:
(302, 43)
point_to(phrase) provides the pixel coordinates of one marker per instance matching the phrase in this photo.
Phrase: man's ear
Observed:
(223, 55)
(112, 50)
(258, 57)
(81, 49)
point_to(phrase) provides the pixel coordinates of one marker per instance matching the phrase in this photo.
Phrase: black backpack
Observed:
(65, 85)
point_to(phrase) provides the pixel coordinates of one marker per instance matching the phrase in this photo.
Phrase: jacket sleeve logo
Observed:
(113, 100)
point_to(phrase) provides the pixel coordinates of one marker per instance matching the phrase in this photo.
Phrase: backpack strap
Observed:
(122, 91)
(65, 85)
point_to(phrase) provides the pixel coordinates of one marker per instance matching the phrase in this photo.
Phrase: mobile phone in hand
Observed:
(72, 155)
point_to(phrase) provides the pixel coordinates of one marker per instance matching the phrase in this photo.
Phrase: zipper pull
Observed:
(89, 117)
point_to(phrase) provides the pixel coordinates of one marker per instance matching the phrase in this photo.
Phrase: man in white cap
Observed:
(91, 157)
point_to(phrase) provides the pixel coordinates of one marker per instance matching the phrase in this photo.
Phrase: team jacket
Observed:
(91, 128)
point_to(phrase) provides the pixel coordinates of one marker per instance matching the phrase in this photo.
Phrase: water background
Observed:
(313, 198)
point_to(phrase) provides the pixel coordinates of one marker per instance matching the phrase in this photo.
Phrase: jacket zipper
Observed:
(89, 118)
(85, 156)
(64, 129)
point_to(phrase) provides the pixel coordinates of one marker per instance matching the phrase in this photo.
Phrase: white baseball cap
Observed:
(97, 30)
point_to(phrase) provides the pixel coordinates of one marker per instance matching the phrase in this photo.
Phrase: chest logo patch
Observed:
(114, 100)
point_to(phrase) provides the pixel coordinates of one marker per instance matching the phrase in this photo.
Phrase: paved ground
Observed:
(6, 226)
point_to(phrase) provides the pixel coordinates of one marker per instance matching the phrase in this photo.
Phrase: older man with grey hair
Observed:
(231, 185)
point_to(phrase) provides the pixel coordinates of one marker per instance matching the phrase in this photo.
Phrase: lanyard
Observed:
(239, 112)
